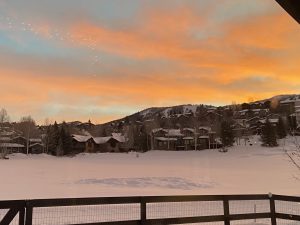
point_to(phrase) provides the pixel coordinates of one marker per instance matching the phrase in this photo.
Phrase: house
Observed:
(167, 139)
(189, 136)
(123, 141)
(250, 113)
(13, 147)
(36, 148)
(79, 142)
(165, 143)
(175, 134)
(102, 144)
(5, 139)
(289, 105)
(183, 139)
(254, 125)
(204, 138)
(7, 133)
(19, 140)
(35, 141)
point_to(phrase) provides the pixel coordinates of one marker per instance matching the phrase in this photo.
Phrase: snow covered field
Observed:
(242, 170)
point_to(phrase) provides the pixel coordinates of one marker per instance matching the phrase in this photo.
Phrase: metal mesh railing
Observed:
(202, 210)
(85, 214)
(184, 209)
(205, 223)
(286, 207)
(287, 222)
(252, 222)
(249, 206)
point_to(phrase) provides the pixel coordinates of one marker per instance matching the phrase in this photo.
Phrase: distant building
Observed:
(183, 139)
(113, 143)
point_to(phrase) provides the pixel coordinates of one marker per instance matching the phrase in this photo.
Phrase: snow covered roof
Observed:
(101, 140)
(11, 145)
(5, 138)
(80, 138)
(253, 110)
(203, 137)
(157, 130)
(174, 133)
(119, 137)
(271, 121)
(205, 128)
(189, 129)
(35, 140)
(36, 144)
(165, 139)
(7, 133)
(291, 99)
(19, 137)
(188, 138)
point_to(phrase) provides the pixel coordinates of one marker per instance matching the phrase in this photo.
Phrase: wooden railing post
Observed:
(273, 210)
(28, 217)
(226, 211)
(143, 211)
(22, 216)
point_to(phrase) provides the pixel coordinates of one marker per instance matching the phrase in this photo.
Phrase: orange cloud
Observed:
(204, 67)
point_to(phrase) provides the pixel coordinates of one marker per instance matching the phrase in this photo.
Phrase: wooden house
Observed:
(13, 147)
(165, 143)
(79, 142)
(102, 144)
(36, 148)
(19, 140)
(189, 136)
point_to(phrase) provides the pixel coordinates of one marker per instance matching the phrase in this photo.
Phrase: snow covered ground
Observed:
(242, 170)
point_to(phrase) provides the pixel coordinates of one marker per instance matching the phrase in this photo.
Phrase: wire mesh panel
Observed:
(287, 222)
(85, 214)
(3, 213)
(205, 223)
(249, 206)
(184, 209)
(252, 222)
(285, 207)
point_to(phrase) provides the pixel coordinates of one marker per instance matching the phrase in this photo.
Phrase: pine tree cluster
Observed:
(59, 140)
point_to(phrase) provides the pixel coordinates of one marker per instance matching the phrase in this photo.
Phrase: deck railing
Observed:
(148, 210)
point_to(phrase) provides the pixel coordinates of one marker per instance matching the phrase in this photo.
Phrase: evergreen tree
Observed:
(292, 122)
(281, 129)
(65, 140)
(53, 138)
(268, 135)
(227, 136)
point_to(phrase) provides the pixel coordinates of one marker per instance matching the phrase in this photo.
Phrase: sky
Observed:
(105, 59)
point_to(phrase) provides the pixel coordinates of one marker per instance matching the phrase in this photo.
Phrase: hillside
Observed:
(190, 109)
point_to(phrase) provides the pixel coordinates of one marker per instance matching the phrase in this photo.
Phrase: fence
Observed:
(208, 209)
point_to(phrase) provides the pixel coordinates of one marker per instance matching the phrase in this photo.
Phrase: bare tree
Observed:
(28, 128)
(3, 148)
(3, 116)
